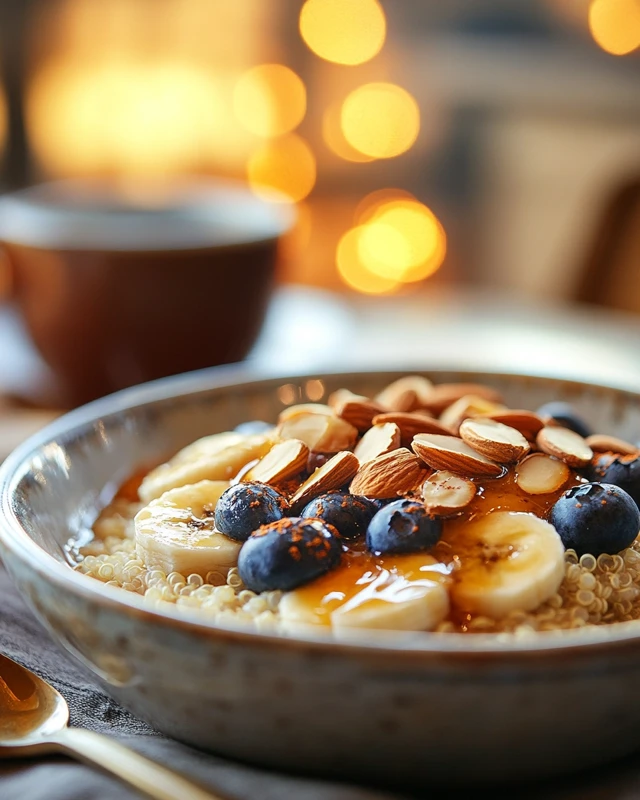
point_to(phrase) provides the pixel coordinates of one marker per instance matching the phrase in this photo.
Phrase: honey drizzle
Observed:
(360, 567)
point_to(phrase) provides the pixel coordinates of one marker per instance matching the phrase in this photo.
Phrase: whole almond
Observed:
(323, 433)
(601, 443)
(337, 472)
(444, 394)
(451, 453)
(539, 473)
(356, 409)
(566, 445)
(466, 407)
(405, 394)
(528, 423)
(377, 441)
(446, 493)
(392, 474)
(285, 460)
(411, 423)
(494, 440)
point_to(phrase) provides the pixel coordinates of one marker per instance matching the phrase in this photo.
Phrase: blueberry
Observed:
(288, 553)
(622, 471)
(596, 518)
(244, 507)
(403, 526)
(564, 414)
(348, 513)
(380, 502)
(253, 427)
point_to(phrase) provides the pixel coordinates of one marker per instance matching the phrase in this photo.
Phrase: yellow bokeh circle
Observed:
(371, 203)
(354, 272)
(381, 120)
(343, 31)
(269, 100)
(404, 241)
(615, 25)
(334, 137)
(282, 169)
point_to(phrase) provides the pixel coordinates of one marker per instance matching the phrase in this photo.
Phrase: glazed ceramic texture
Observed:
(403, 709)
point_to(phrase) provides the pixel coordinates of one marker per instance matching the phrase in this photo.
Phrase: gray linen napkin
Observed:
(56, 778)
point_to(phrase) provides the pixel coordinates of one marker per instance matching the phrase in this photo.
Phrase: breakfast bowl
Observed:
(397, 707)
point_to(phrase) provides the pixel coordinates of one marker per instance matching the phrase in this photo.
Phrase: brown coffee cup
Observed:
(118, 289)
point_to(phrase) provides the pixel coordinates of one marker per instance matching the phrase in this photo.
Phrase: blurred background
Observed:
(432, 150)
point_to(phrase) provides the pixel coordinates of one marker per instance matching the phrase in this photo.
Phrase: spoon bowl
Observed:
(33, 721)
(31, 711)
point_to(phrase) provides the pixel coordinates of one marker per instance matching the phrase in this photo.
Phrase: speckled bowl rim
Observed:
(415, 645)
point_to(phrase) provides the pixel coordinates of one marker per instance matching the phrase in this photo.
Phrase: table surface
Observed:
(313, 331)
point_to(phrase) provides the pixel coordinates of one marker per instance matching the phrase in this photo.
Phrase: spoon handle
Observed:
(146, 775)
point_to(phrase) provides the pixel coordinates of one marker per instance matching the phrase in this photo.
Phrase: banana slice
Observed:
(176, 532)
(213, 458)
(409, 593)
(207, 446)
(510, 561)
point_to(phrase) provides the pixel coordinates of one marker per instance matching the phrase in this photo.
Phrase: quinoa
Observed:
(594, 591)
(111, 558)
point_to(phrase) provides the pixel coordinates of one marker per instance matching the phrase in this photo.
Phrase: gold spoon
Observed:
(33, 721)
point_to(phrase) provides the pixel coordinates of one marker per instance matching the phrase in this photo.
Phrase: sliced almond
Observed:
(323, 433)
(389, 475)
(566, 445)
(444, 394)
(356, 409)
(468, 406)
(494, 440)
(303, 409)
(342, 394)
(337, 472)
(377, 441)
(284, 460)
(405, 394)
(601, 443)
(243, 471)
(528, 423)
(446, 493)
(539, 473)
(411, 423)
(451, 453)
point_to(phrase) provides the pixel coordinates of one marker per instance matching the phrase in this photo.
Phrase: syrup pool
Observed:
(364, 578)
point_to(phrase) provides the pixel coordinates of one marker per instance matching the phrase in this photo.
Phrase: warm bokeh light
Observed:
(403, 241)
(113, 91)
(282, 169)
(354, 272)
(334, 137)
(374, 201)
(343, 31)
(615, 25)
(381, 120)
(130, 117)
(270, 100)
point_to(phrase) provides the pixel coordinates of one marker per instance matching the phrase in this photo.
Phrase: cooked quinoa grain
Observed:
(593, 592)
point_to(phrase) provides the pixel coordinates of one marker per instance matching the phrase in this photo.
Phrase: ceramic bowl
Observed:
(393, 708)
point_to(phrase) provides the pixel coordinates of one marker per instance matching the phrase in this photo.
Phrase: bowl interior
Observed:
(55, 484)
